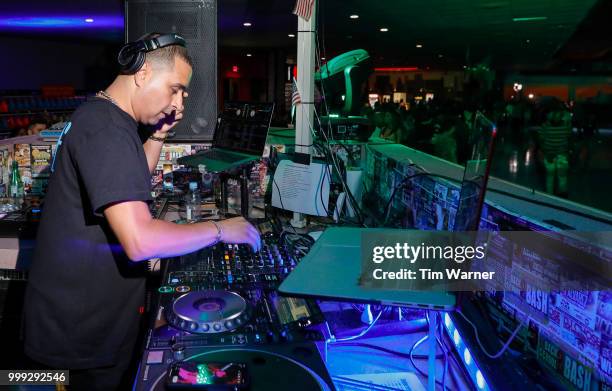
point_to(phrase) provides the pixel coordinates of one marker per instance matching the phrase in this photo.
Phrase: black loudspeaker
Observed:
(196, 22)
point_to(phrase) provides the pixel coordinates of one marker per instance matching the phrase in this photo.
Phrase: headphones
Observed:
(132, 55)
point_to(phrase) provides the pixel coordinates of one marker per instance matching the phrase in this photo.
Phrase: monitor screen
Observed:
(243, 127)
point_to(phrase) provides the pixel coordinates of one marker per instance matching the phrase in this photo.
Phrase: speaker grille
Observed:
(196, 21)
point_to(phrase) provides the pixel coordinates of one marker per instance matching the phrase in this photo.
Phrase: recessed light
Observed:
(249, 55)
(89, 20)
(440, 55)
(384, 29)
(418, 45)
(291, 35)
(354, 16)
(247, 24)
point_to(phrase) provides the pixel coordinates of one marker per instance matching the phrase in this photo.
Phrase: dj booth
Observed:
(218, 316)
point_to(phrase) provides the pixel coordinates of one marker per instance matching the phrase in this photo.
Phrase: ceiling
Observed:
(452, 33)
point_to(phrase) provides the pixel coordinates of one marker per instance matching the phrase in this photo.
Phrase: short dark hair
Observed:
(165, 56)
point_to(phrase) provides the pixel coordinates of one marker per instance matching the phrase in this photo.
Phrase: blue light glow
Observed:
(456, 337)
(467, 357)
(447, 320)
(471, 365)
(480, 380)
(45, 22)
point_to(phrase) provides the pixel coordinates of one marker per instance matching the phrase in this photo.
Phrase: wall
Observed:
(29, 63)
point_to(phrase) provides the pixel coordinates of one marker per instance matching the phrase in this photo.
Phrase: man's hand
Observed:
(168, 122)
(237, 230)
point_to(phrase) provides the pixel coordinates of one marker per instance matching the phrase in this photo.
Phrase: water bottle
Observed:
(16, 186)
(193, 203)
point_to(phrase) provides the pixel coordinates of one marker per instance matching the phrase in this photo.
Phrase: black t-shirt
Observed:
(84, 294)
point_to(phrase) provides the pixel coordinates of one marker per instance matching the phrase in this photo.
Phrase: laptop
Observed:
(332, 268)
(240, 137)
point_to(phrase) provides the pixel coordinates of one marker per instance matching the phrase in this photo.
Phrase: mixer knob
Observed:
(178, 351)
(205, 327)
(217, 327)
(229, 325)
(193, 326)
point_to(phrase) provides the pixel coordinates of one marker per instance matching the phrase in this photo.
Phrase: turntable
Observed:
(291, 367)
(208, 311)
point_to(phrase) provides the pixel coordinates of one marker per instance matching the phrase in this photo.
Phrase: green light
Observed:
(334, 116)
(165, 289)
(529, 19)
(204, 375)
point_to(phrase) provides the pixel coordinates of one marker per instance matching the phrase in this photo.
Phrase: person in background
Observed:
(553, 139)
(393, 129)
(377, 118)
(36, 126)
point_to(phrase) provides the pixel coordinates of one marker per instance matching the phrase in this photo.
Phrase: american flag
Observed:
(304, 8)
(296, 99)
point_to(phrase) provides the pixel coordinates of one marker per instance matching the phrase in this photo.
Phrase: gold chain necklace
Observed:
(105, 95)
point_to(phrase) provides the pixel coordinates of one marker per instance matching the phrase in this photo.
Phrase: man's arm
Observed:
(152, 150)
(143, 237)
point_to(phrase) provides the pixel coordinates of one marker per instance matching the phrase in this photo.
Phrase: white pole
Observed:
(305, 83)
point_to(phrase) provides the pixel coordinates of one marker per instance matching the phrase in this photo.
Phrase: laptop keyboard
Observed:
(224, 156)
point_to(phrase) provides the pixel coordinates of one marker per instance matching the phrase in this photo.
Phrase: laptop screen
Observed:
(243, 127)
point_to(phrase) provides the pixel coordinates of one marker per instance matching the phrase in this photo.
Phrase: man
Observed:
(86, 287)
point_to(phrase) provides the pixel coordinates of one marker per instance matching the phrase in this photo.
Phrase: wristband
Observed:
(160, 139)
(219, 232)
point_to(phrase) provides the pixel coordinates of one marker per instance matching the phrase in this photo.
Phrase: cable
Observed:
(350, 196)
(411, 356)
(364, 332)
(506, 345)
(443, 347)
(280, 198)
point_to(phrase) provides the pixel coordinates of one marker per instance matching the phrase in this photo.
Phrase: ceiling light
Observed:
(249, 55)
(384, 29)
(529, 18)
(418, 45)
(89, 20)
(322, 58)
(247, 24)
(291, 35)
(440, 55)
(354, 16)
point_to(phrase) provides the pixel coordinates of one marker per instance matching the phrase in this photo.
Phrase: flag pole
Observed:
(305, 84)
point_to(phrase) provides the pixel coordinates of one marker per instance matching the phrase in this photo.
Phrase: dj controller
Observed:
(220, 324)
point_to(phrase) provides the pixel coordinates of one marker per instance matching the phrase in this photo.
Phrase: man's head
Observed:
(160, 85)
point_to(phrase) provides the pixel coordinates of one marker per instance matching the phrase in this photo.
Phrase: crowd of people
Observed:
(443, 129)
